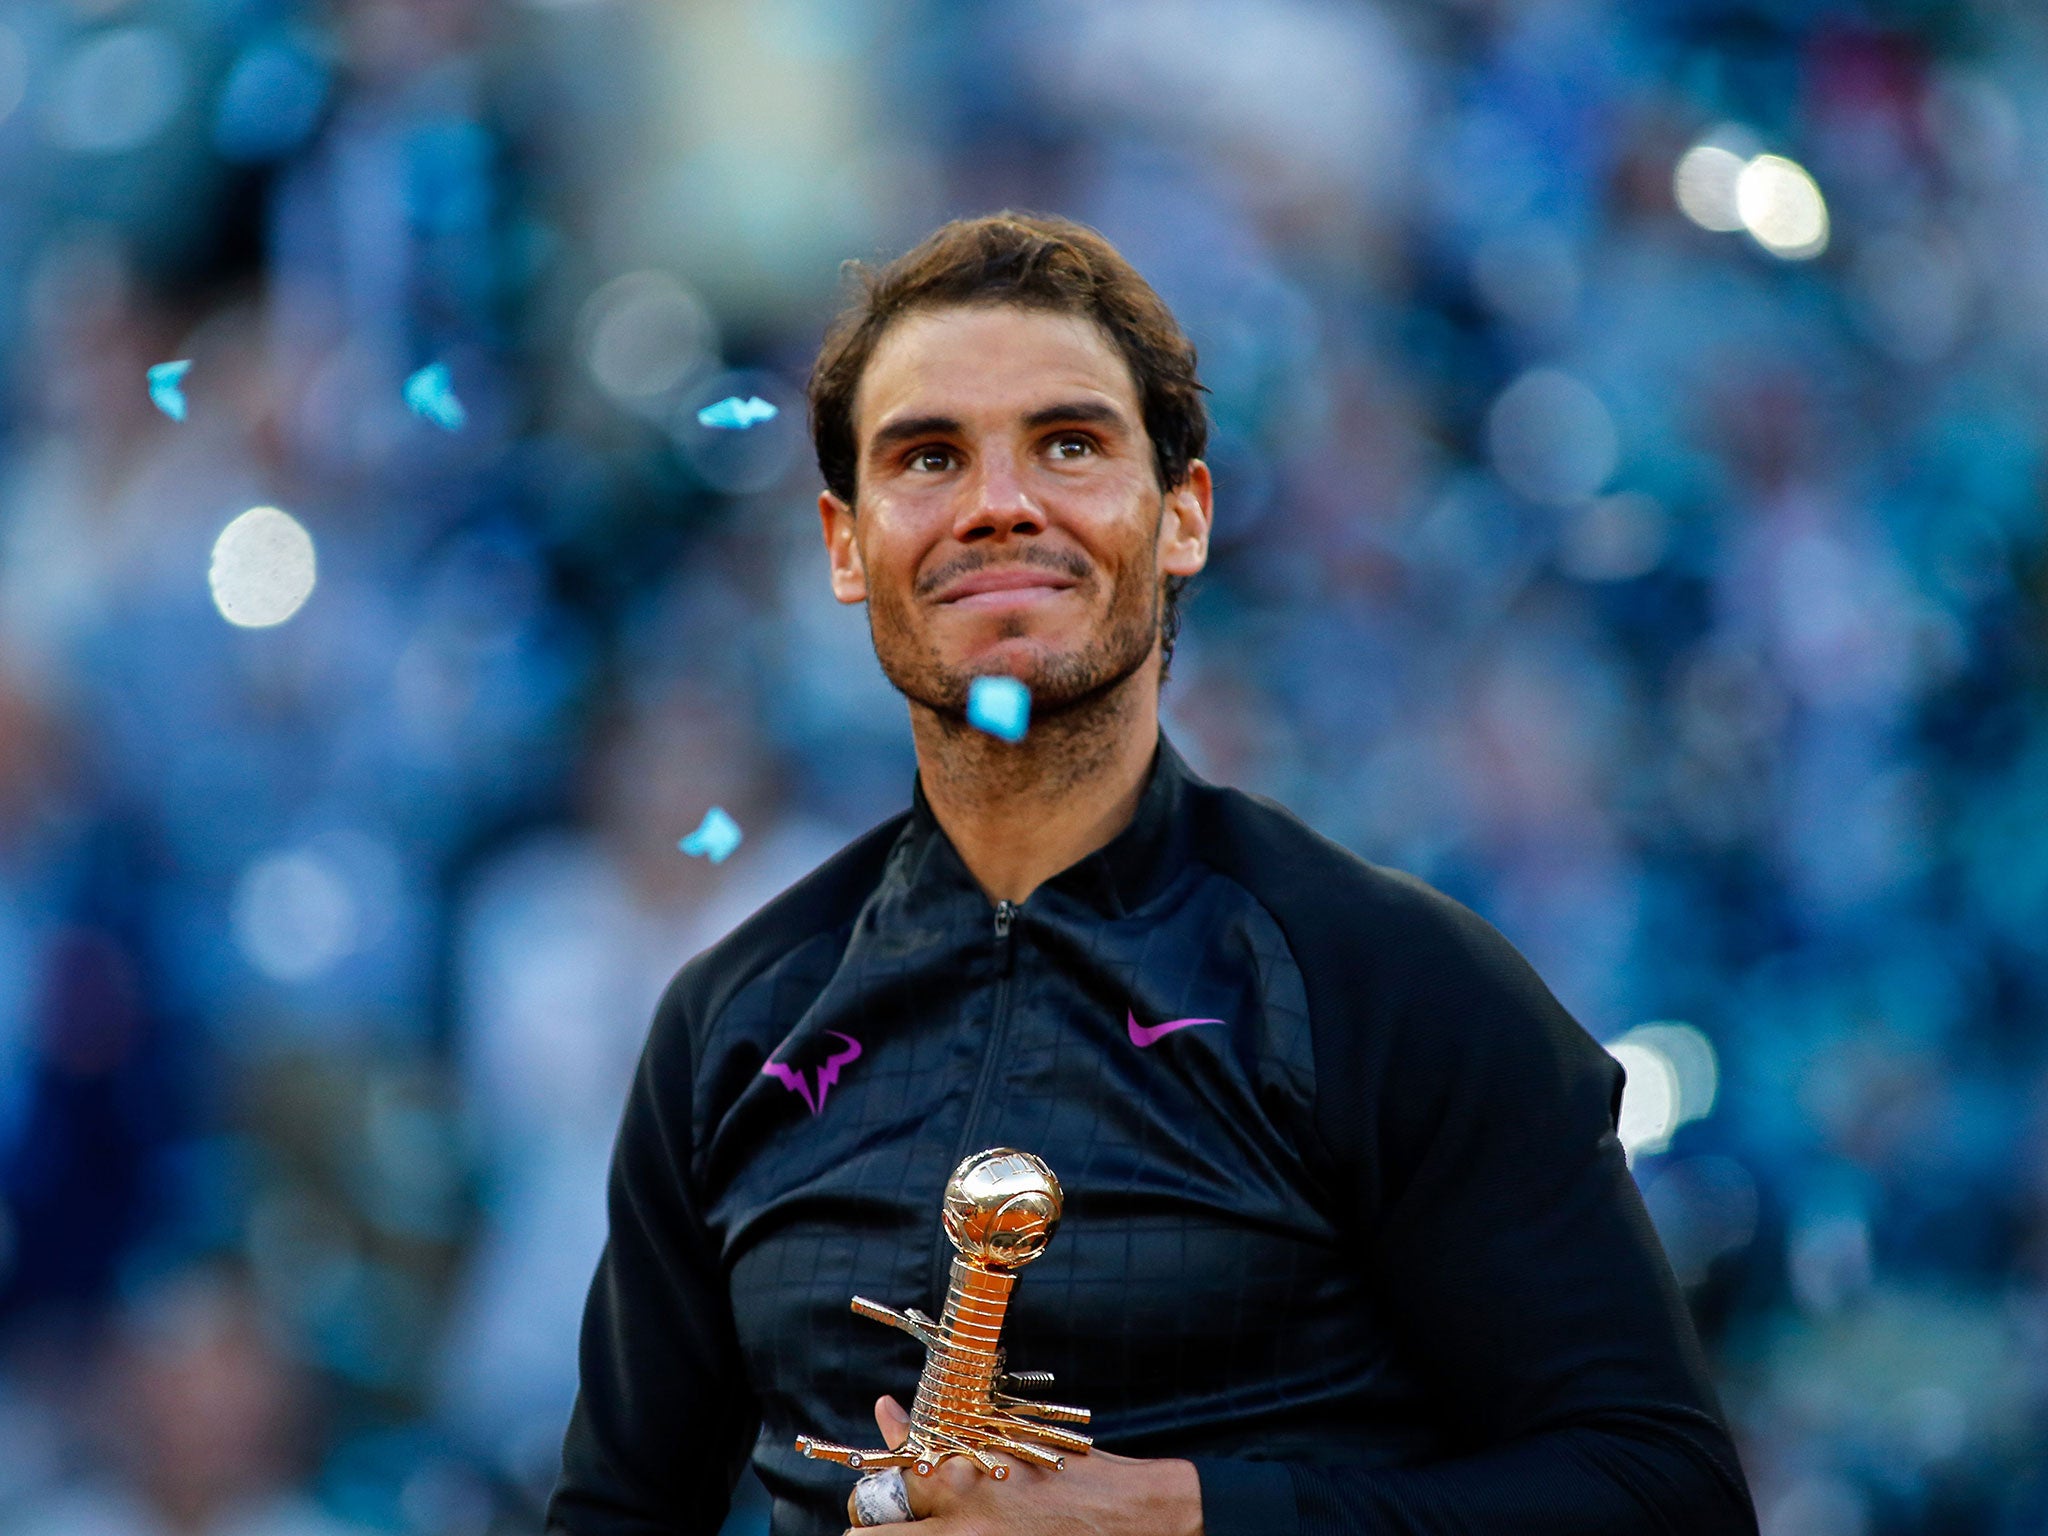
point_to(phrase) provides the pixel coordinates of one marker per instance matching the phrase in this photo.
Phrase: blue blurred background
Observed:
(1628, 437)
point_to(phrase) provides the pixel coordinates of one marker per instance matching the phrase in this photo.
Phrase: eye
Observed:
(920, 459)
(1074, 440)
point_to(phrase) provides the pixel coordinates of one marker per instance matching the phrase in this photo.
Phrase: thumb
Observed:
(893, 1422)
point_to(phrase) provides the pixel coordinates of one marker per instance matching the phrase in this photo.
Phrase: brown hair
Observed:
(1037, 262)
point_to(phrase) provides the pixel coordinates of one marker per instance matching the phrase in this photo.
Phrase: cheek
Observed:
(878, 579)
(897, 538)
(1137, 546)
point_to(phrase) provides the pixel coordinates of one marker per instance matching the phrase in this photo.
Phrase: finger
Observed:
(955, 1478)
(893, 1422)
(879, 1504)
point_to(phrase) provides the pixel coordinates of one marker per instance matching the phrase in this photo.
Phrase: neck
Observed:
(1020, 812)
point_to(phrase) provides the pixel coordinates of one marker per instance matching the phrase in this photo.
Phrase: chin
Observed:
(1023, 657)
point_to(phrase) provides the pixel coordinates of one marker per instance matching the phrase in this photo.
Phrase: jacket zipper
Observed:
(1005, 919)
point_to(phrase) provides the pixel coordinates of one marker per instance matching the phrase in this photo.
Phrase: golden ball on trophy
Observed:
(1001, 1207)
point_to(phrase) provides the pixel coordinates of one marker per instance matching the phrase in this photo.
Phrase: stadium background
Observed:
(1644, 561)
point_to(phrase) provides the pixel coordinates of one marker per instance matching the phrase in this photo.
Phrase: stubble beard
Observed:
(1072, 692)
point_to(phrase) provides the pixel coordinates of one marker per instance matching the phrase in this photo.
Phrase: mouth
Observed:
(1003, 587)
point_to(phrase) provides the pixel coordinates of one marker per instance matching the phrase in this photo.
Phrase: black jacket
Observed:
(1365, 1249)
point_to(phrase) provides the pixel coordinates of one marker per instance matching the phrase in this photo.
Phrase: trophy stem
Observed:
(1000, 1208)
(959, 1378)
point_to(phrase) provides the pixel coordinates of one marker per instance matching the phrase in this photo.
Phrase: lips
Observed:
(1001, 582)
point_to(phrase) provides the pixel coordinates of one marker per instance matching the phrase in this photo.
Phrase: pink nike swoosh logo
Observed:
(1143, 1035)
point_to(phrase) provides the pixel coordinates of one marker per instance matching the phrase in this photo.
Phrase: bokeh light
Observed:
(1704, 185)
(1695, 1069)
(643, 334)
(1674, 1077)
(270, 102)
(263, 568)
(1649, 1101)
(1615, 538)
(117, 90)
(295, 914)
(1722, 183)
(1551, 438)
(1781, 205)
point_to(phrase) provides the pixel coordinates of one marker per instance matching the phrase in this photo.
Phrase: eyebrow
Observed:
(912, 426)
(1093, 412)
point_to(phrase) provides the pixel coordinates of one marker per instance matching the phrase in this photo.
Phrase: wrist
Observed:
(1176, 1498)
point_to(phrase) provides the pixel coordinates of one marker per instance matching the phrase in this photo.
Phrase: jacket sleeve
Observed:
(664, 1418)
(1471, 1125)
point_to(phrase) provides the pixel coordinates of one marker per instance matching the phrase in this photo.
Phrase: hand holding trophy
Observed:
(1000, 1209)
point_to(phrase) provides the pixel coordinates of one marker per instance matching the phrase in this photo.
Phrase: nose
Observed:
(995, 502)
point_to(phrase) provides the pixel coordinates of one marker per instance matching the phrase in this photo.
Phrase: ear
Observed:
(849, 577)
(1184, 523)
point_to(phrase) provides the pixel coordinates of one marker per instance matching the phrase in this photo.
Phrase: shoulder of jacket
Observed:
(1333, 906)
(820, 902)
(1416, 1003)
(1392, 968)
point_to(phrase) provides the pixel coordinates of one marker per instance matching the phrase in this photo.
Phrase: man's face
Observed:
(1009, 517)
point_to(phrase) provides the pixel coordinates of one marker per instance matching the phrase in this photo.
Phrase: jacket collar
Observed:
(1113, 881)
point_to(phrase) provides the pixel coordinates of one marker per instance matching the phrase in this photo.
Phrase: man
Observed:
(1349, 1242)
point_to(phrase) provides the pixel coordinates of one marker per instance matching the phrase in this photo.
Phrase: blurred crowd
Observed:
(1672, 593)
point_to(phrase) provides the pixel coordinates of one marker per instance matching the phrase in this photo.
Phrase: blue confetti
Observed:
(430, 394)
(715, 838)
(166, 387)
(733, 413)
(999, 705)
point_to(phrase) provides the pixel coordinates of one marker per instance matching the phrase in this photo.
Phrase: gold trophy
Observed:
(1000, 1210)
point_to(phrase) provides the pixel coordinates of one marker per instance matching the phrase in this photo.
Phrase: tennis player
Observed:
(1349, 1246)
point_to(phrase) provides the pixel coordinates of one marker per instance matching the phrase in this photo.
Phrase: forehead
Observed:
(990, 360)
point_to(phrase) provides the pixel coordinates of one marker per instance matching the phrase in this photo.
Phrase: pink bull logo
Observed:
(792, 1078)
